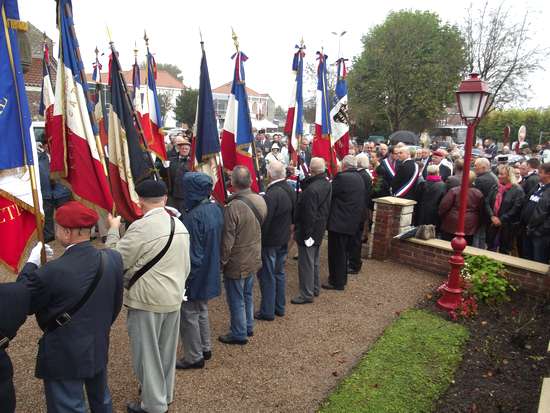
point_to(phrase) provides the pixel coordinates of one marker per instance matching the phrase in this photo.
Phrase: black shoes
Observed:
(228, 339)
(207, 355)
(184, 365)
(260, 316)
(331, 287)
(301, 300)
(352, 271)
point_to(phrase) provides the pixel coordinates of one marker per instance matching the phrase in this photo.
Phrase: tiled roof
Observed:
(164, 79)
(34, 75)
(225, 89)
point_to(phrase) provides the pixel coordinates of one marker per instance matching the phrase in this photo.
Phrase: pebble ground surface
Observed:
(289, 365)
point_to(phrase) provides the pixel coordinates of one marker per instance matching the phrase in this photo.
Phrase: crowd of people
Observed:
(166, 266)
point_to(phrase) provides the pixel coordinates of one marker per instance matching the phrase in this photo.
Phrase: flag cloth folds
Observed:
(100, 107)
(322, 142)
(339, 114)
(19, 215)
(237, 134)
(294, 126)
(76, 153)
(150, 114)
(129, 161)
(206, 145)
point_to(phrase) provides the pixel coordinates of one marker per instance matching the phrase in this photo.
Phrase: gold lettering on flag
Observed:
(9, 213)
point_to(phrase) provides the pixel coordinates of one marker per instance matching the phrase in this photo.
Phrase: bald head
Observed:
(317, 166)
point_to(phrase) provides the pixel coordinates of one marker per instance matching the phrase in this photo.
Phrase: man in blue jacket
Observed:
(73, 351)
(204, 221)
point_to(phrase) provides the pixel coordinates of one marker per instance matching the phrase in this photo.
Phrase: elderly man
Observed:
(403, 184)
(76, 298)
(356, 241)
(204, 221)
(155, 251)
(437, 159)
(241, 254)
(276, 228)
(487, 182)
(346, 213)
(311, 215)
(179, 165)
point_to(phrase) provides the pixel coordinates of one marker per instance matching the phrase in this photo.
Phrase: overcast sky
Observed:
(267, 30)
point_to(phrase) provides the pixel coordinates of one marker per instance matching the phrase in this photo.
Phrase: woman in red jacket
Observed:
(448, 211)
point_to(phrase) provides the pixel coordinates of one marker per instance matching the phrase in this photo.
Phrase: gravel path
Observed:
(290, 364)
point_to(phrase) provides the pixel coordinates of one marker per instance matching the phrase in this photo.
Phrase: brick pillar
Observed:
(391, 217)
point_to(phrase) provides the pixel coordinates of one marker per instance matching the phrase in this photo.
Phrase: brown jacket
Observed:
(242, 236)
(448, 210)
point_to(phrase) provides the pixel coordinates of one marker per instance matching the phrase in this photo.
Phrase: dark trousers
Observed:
(355, 247)
(338, 247)
(501, 238)
(50, 205)
(537, 248)
(64, 396)
(7, 391)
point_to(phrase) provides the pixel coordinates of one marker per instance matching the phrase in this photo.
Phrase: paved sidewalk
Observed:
(290, 364)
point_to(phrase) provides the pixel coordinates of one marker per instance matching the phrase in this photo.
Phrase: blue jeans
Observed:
(241, 305)
(67, 396)
(537, 248)
(272, 281)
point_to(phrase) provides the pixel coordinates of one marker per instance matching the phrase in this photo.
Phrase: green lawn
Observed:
(407, 369)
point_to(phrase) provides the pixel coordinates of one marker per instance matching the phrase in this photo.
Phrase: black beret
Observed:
(151, 189)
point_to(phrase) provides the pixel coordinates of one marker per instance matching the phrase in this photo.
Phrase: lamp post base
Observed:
(452, 289)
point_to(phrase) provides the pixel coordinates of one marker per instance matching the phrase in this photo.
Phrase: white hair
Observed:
(349, 161)
(433, 169)
(276, 170)
(362, 160)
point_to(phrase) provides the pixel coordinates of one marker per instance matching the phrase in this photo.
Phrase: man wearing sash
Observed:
(404, 182)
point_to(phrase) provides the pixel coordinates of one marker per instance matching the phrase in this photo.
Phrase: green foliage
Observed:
(172, 69)
(407, 369)
(165, 103)
(407, 73)
(186, 106)
(280, 113)
(535, 120)
(486, 280)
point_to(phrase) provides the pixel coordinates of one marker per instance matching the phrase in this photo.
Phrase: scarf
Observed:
(502, 189)
(433, 178)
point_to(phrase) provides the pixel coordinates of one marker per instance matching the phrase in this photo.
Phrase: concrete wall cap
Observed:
(392, 200)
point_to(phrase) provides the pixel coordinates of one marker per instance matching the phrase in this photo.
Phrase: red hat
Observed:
(438, 153)
(75, 215)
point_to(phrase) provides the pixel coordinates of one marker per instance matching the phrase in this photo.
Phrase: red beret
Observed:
(75, 215)
(439, 153)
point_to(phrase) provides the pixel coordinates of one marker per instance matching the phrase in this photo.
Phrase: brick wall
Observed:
(434, 255)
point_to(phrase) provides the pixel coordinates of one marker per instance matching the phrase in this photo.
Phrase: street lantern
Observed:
(472, 98)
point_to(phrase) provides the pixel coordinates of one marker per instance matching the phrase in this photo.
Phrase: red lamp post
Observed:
(472, 97)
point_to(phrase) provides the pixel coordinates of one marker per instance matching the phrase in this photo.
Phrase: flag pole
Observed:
(87, 96)
(131, 106)
(31, 168)
(253, 143)
(325, 104)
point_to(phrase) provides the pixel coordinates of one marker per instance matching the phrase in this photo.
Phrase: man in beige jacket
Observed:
(155, 252)
(241, 254)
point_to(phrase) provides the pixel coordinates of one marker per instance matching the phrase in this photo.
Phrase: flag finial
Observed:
(302, 45)
(96, 51)
(146, 38)
(235, 39)
(136, 50)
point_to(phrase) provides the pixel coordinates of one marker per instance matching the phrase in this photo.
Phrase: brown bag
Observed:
(425, 232)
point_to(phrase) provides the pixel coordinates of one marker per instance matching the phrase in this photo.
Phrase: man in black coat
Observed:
(430, 193)
(179, 164)
(346, 212)
(529, 172)
(356, 241)
(311, 215)
(280, 200)
(385, 172)
(73, 350)
(487, 182)
(14, 307)
(403, 185)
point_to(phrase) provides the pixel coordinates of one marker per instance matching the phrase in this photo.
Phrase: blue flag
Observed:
(15, 118)
(208, 141)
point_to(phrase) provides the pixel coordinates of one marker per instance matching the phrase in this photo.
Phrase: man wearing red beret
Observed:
(76, 298)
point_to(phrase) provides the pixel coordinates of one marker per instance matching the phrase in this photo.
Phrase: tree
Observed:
(186, 106)
(165, 103)
(407, 73)
(499, 48)
(280, 113)
(172, 69)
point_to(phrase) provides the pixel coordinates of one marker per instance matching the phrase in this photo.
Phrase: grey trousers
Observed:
(194, 330)
(154, 342)
(308, 271)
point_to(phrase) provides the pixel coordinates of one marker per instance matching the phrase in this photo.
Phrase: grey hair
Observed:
(433, 169)
(362, 160)
(240, 178)
(483, 162)
(276, 170)
(349, 161)
(317, 166)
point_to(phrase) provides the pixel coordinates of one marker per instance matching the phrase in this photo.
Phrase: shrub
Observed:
(486, 280)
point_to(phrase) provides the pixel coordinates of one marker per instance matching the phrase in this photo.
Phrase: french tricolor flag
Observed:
(47, 98)
(74, 149)
(294, 126)
(237, 134)
(339, 114)
(150, 114)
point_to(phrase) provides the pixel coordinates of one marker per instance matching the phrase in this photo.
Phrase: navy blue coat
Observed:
(204, 221)
(79, 349)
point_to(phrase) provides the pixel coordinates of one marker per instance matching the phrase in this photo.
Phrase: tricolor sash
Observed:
(388, 167)
(404, 190)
